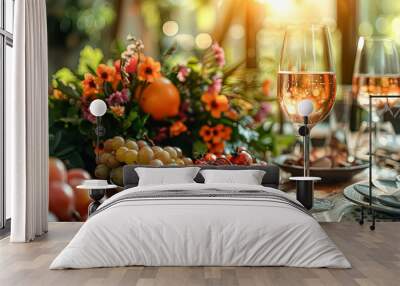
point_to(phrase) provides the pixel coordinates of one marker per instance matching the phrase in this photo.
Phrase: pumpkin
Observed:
(160, 99)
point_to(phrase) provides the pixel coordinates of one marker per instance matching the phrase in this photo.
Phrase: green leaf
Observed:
(66, 151)
(64, 75)
(128, 121)
(89, 59)
(86, 128)
(199, 148)
(69, 90)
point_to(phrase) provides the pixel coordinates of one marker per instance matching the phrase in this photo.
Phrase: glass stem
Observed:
(306, 152)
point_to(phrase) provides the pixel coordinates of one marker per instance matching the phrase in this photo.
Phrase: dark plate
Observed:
(383, 198)
(354, 196)
(327, 174)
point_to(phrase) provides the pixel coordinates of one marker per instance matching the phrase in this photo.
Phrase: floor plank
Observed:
(375, 257)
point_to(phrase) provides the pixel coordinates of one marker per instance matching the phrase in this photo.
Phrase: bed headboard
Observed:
(270, 179)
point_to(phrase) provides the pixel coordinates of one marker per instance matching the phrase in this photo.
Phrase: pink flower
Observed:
(183, 73)
(131, 66)
(87, 115)
(118, 98)
(219, 54)
(263, 112)
(215, 86)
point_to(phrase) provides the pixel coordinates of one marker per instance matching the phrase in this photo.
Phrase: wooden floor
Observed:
(375, 257)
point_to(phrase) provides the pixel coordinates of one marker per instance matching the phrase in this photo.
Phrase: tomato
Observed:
(210, 157)
(75, 177)
(57, 170)
(61, 200)
(81, 196)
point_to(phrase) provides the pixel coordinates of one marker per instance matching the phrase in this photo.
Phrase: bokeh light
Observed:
(236, 31)
(186, 41)
(203, 40)
(382, 25)
(365, 29)
(170, 28)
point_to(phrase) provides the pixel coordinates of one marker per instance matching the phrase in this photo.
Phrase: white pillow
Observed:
(166, 176)
(248, 177)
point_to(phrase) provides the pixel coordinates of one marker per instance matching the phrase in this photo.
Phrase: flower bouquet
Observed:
(192, 105)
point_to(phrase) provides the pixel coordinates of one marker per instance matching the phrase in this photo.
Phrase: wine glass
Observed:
(307, 89)
(306, 72)
(376, 73)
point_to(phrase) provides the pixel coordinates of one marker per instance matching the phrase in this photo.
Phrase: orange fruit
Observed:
(160, 99)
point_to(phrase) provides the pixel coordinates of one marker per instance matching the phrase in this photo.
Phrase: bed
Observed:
(198, 224)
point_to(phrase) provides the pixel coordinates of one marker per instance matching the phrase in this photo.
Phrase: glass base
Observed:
(322, 205)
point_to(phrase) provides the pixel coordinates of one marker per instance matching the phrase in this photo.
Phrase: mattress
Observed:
(201, 225)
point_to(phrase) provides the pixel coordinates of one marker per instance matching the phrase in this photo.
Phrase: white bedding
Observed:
(190, 231)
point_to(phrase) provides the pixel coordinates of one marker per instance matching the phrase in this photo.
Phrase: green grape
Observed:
(103, 157)
(117, 142)
(163, 156)
(179, 152)
(156, 149)
(120, 154)
(116, 176)
(145, 155)
(172, 152)
(187, 161)
(141, 143)
(156, 163)
(112, 162)
(108, 145)
(130, 144)
(102, 172)
(131, 156)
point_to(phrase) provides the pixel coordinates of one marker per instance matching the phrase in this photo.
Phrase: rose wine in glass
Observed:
(319, 87)
(365, 85)
(376, 73)
(306, 92)
(306, 72)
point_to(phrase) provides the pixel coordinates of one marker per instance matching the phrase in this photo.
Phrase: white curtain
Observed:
(27, 123)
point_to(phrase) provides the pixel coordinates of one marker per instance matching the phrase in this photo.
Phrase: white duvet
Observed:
(200, 231)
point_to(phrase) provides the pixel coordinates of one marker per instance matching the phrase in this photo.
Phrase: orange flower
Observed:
(232, 114)
(216, 148)
(177, 128)
(266, 87)
(90, 86)
(117, 79)
(224, 131)
(206, 132)
(57, 94)
(215, 104)
(118, 110)
(149, 70)
(105, 73)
